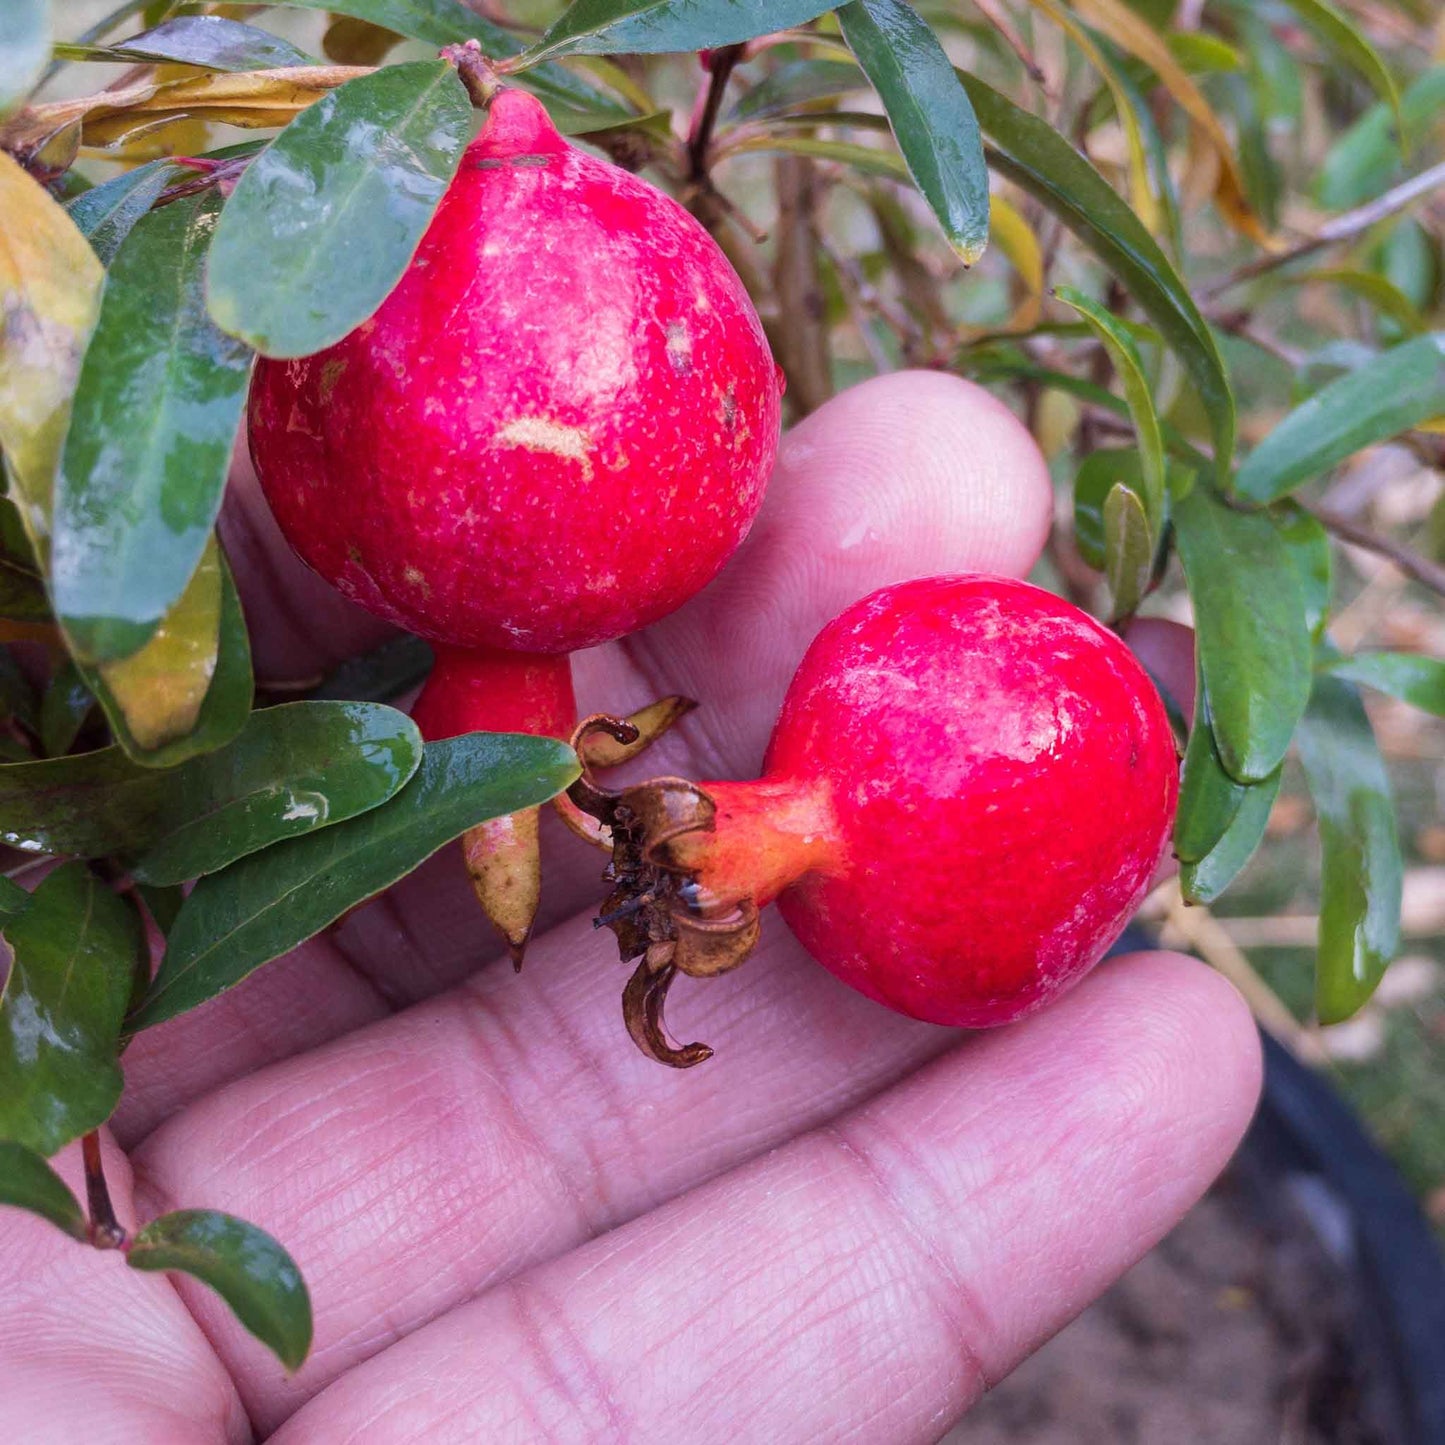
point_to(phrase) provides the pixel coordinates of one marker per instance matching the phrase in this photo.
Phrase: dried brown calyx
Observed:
(656, 908)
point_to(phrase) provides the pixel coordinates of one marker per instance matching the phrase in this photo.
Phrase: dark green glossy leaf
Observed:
(22, 594)
(106, 214)
(1208, 797)
(1362, 877)
(1254, 646)
(28, 1182)
(294, 769)
(1313, 556)
(76, 949)
(1128, 550)
(152, 427)
(1410, 676)
(24, 49)
(1029, 152)
(655, 27)
(382, 674)
(1366, 158)
(223, 710)
(1396, 390)
(794, 84)
(14, 900)
(1205, 880)
(930, 113)
(1129, 366)
(1341, 36)
(208, 41)
(1094, 480)
(164, 905)
(259, 908)
(63, 712)
(244, 1265)
(324, 221)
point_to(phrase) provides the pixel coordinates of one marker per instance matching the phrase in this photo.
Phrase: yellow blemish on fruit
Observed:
(413, 577)
(331, 373)
(538, 434)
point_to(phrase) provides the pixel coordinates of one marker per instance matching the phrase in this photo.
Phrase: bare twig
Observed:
(106, 1231)
(1015, 41)
(704, 119)
(1420, 568)
(804, 351)
(1344, 227)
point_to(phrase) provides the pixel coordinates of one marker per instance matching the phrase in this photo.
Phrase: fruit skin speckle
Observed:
(966, 796)
(524, 447)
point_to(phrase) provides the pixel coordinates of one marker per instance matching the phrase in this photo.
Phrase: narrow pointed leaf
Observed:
(188, 690)
(24, 49)
(292, 770)
(324, 221)
(75, 953)
(152, 428)
(655, 27)
(66, 705)
(1395, 391)
(381, 675)
(1203, 881)
(49, 291)
(930, 112)
(257, 1279)
(794, 84)
(1254, 645)
(1366, 158)
(1128, 551)
(1208, 797)
(1029, 152)
(1341, 36)
(28, 1182)
(236, 920)
(209, 41)
(106, 214)
(1362, 878)
(1129, 366)
(1410, 676)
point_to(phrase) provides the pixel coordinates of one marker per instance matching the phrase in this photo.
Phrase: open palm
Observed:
(515, 1227)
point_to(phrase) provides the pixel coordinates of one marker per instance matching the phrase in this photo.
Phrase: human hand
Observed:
(515, 1227)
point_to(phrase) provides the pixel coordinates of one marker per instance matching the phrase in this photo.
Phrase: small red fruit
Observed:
(966, 795)
(555, 430)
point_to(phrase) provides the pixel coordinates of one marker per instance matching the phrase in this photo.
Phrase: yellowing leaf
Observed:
(1012, 234)
(49, 295)
(253, 99)
(160, 689)
(1133, 33)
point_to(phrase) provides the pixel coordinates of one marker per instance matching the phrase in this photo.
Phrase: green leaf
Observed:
(24, 49)
(1203, 881)
(17, 697)
(1208, 797)
(1339, 33)
(1128, 550)
(324, 221)
(1395, 391)
(14, 900)
(294, 769)
(152, 428)
(656, 27)
(1030, 153)
(261, 907)
(163, 905)
(28, 1182)
(244, 1265)
(796, 83)
(930, 112)
(76, 950)
(1366, 158)
(1362, 877)
(1129, 366)
(148, 699)
(1095, 479)
(1375, 290)
(1410, 676)
(208, 41)
(1309, 548)
(63, 711)
(868, 159)
(106, 214)
(1249, 617)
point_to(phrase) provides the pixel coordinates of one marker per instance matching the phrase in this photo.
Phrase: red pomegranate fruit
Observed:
(966, 795)
(555, 430)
